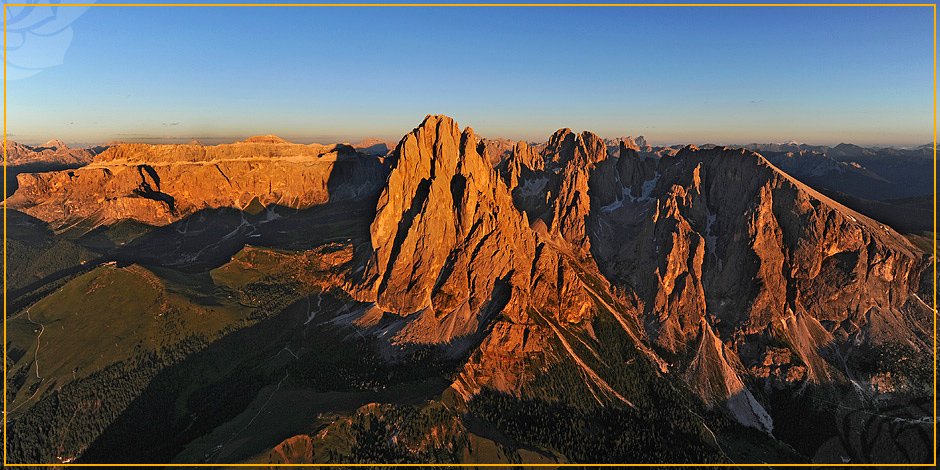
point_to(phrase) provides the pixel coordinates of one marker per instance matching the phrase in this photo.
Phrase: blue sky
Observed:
(326, 74)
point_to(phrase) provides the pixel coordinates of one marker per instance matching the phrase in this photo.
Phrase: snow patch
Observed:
(711, 240)
(749, 412)
(533, 188)
(271, 215)
(613, 206)
(311, 314)
(647, 190)
(649, 186)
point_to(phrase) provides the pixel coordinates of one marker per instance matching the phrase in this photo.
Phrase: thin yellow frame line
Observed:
(481, 4)
(457, 5)
(934, 259)
(5, 236)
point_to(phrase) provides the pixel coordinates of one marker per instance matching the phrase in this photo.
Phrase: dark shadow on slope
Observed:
(202, 241)
(151, 428)
(835, 425)
(329, 360)
(378, 150)
(356, 176)
(909, 215)
(39, 261)
(208, 238)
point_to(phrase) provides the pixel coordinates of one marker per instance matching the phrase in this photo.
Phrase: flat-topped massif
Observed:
(159, 184)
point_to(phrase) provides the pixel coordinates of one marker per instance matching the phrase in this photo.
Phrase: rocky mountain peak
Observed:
(55, 144)
(628, 143)
(565, 146)
(446, 239)
(265, 139)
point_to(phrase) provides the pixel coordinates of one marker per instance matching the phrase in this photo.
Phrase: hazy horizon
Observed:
(208, 140)
(724, 75)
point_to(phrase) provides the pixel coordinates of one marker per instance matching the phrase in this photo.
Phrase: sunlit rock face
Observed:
(160, 184)
(450, 248)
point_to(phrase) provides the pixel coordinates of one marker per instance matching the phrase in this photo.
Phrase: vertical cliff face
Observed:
(720, 245)
(449, 248)
(453, 255)
(726, 257)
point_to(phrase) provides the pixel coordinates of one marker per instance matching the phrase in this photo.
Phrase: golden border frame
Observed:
(5, 272)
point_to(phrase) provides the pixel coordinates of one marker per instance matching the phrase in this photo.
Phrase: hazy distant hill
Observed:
(52, 156)
(868, 173)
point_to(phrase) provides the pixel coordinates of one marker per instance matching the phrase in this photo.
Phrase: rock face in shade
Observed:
(725, 256)
(724, 242)
(159, 184)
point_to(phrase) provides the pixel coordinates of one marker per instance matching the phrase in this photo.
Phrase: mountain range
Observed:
(456, 299)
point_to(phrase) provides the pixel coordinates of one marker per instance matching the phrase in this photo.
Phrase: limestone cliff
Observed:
(159, 184)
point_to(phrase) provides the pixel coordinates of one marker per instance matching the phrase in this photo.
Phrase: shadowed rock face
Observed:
(720, 236)
(720, 244)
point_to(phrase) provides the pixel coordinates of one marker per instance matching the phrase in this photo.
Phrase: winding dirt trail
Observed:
(38, 340)
(36, 359)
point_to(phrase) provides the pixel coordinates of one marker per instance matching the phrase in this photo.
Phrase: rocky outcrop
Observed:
(552, 187)
(722, 236)
(726, 257)
(454, 260)
(497, 150)
(159, 184)
(52, 153)
(712, 372)
(449, 249)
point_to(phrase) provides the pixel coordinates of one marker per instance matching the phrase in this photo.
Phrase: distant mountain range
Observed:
(874, 173)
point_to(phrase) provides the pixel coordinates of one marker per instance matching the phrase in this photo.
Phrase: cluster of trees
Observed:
(600, 435)
(144, 408)
(269, 296)
(333, 360)
(69, 419)
(561, 413)
(912, 370)
(399, 435)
